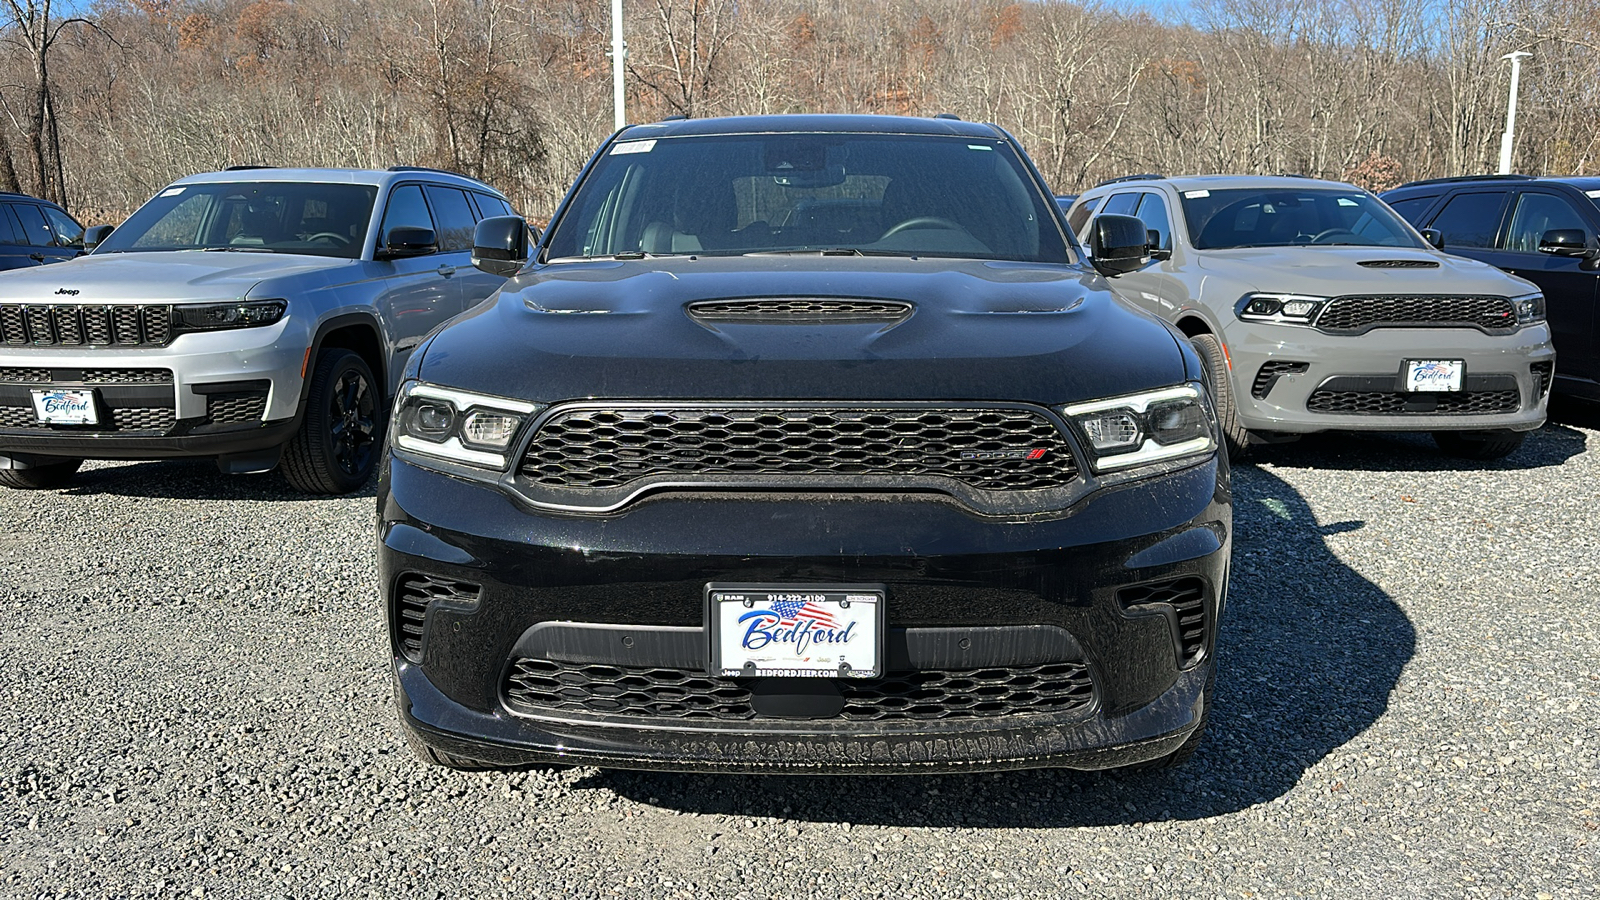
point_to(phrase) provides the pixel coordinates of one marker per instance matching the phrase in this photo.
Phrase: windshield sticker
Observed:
(1346, 201)
(1195, 195)
(633, 147)
(172, 192)
(979, 147)
(1593, 195)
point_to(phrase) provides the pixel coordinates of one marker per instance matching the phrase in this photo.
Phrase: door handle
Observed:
(447, 271)
(36, 257)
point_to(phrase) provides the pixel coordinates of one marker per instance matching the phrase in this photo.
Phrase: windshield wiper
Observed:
(235, 249)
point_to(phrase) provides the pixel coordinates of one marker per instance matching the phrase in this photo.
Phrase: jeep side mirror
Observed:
(95, 235)
(1434, 236)
(402, 241)
(1567, 242)
(1119, 243)
(502, 245)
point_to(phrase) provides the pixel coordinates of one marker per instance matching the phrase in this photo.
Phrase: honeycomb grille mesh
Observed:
(1355, 315)
(1187, 598)
(139, 418)
(127, 376)
(588, 448)
(1393, 403)
(237, 406)
(1270, 373)
(544, 686)
(127, 325)
(1543, 372)
(25, 376)
(414, 593)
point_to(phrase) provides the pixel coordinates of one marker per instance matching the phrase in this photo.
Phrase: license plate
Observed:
(1434, 374)
(795, 631)
(59, 407)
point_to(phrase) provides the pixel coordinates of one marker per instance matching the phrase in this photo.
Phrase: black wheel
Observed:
(1217, 376)
(1481, 445)
(337, 444)
(49, 475)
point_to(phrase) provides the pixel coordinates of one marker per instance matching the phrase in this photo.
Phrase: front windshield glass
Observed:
(873, 194)
(260, 217)
(1276, 217)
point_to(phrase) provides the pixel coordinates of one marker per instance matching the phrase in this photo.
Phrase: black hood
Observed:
(1036, 333)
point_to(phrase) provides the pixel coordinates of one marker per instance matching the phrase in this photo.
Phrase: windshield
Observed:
(1275, 217)
(873, 194)
(261, 217)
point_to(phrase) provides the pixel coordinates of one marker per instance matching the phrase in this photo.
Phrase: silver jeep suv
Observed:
(1324, 310)
(255, 315)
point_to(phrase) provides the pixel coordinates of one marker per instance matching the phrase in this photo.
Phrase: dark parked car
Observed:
(1540, 229)
(34, 232)
(901, 486)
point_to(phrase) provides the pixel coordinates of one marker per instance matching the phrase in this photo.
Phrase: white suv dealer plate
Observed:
(795, 631)
(1434, 374)
(63, 407)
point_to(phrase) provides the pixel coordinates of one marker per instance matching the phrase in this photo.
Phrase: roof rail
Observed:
(243, 166)
(1148, 176)
(947, 116)
(428, 169)
(675, 117)
(1460, 178)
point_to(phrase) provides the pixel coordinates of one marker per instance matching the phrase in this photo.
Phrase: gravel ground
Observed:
(196, 703)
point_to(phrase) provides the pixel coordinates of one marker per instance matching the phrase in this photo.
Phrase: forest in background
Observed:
(105, 102)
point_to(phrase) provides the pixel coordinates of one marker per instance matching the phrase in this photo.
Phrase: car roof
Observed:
(1585, 183)
(1227, 182)
(375, 177)
(13, 195)
(810, 124)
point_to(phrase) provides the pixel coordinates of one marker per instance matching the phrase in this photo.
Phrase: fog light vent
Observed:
(1542, 373)
(1270, 373)
(1186, 597)
(413, 595)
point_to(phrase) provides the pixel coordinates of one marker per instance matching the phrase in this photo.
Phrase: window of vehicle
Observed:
(454, 216)
(1079, 220)
(260, 217)
(910, 195)
(9, 233)
(1537, 213)
(1153, 212)
(1278, 217)
(1122, 204)
(406, 209)
(1471, 220)
(1412, 208)
(491, 206)
(67, 231)
(36, 232)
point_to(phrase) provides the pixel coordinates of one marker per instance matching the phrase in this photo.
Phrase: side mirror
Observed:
(95, 235)
(1153, 241)
(1119, 243)
(1434, 236)
(402, 242)
(502, 245)
(1567, 242)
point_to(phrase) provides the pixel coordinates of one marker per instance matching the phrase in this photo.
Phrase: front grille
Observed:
(125, 324)
(604, 448)
(546, 686)
(136, 418)
(413, 595)
(1543, 371)
(144, 418)
(1396, 403)
(25, 376)
(1187, 598)
(127, 376)
(236, 406)
(18, 417)
(1270, 373)
(1358, 315)
(799, 310)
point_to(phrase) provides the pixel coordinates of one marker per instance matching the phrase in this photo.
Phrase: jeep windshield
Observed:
(262, 217)
(1274, 217)
(844, 194)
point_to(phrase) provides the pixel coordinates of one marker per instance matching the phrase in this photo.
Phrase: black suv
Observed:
(34, 232)
(1540, 229)
(805, 443)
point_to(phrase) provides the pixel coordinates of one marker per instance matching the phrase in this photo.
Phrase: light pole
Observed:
(619, 52)
(1511, 110)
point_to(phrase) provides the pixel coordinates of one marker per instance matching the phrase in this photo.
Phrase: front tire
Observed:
(336, 448)
(1479, 445)
(1218, 377)
(33, 478)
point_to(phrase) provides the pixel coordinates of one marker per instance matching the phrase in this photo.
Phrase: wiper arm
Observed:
(235, 250)
(828, 251)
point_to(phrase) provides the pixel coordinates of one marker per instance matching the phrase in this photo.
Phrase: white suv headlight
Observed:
(459, 426)
(1529, 307)
(1154, 426)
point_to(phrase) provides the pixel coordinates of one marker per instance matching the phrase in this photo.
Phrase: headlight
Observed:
(217, 316)
(1155, 426)
(463, 427)
(1286, 309)
(1529, 307)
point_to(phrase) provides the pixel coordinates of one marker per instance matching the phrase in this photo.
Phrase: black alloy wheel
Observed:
(336, 448)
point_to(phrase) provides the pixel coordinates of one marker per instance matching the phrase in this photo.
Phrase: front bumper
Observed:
(1358, 377)
(945, 570)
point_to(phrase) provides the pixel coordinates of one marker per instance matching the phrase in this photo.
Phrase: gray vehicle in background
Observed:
(254, 315)
(1316, 308)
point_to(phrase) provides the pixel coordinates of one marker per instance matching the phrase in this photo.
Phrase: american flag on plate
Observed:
(797, 611)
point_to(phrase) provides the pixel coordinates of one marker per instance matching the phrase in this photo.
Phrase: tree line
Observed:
(106, 102)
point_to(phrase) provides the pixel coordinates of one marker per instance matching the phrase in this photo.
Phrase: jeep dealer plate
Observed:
(795, 631)
(1434, 374)
(59, 407)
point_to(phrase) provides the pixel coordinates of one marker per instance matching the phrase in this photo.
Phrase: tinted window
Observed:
(491, 206)
(406, 210)
(1279, 217)
(36, 233)
(1079, 220)
(889, 194)
(1122, 205)
(1153, 211)
(262, 217)
(1536, 214)
(67, 231)
(453, 215)
(1471, 220)
(8, 226)
(1412, 208)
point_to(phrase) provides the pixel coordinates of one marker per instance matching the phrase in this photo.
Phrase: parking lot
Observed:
(196, 702)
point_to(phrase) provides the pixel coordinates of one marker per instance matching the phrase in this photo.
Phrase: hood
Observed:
(172, 277)
(965, 330)
(1329, 271)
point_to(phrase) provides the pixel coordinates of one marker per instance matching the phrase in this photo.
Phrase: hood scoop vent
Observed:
(799, 311)
(1399, 264)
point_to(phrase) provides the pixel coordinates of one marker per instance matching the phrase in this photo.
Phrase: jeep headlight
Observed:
(1529, 307)
(1155, 426)
(459, 426)
(1286, 309)
(217, 316)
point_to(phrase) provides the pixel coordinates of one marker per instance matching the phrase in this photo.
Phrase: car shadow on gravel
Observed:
(1309, 649)
(189, 479)
(1353, 451)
